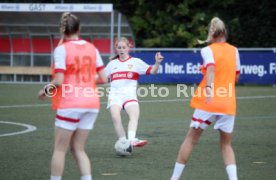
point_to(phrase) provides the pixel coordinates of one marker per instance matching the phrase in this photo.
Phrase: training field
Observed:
(164, 122)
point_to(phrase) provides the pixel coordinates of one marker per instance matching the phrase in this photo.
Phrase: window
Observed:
(21, 60)
(6, 77)
(42, 60)
(5, 59)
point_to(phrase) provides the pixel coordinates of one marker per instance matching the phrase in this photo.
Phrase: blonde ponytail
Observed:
(216, 29)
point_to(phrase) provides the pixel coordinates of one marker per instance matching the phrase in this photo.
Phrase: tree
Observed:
(251, 23)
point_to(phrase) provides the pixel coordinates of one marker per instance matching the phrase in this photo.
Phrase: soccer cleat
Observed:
(138, 142)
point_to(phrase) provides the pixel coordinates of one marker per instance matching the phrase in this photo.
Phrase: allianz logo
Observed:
(6, 6)
(87, 7)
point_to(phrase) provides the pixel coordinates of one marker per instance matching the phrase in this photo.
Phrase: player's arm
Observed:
(210, 76)
(158, 59)
(101, 77)
(209, 64)
(58, 80)
(60, 67)
(237, 77)
(238, 66)
(47, 90)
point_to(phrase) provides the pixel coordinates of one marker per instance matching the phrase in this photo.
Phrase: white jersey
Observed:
(208, 58)
(125, 74)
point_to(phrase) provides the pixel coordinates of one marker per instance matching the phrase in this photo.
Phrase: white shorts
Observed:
(203, 119)
(74, 118)
(121, 101)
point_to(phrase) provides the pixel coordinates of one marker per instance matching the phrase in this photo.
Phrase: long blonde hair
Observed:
(123, 39)
(216, 29)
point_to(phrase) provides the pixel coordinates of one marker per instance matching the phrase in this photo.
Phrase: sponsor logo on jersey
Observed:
(129, 75)
(130, 66)
(119, 75)
(125, 75)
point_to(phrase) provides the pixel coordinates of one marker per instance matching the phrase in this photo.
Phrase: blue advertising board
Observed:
(257, 67)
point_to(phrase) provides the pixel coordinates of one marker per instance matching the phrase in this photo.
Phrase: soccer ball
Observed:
(123, 147)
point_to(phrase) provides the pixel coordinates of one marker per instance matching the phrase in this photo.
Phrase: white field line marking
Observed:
(24, 105)
(30, 128)
(141, 101)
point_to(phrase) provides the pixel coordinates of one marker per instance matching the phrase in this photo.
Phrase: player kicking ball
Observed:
(123, 72)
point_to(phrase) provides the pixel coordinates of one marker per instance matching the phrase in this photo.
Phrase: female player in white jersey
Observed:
(123, 71)
(76, 63)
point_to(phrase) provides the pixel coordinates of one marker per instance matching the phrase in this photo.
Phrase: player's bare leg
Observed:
(185, 151)
(78, 150)
(62, 142)
(186, 148)
(133, 112)
(115, 111)
(228, 155)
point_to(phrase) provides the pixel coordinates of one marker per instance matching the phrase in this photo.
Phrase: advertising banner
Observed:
(42, 7)
(257, 67)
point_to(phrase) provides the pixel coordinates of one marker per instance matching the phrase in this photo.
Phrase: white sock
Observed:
(123, 138)
(177, 171)
(231, 170)
(55, 177)
(87, 177)
(131, 135)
